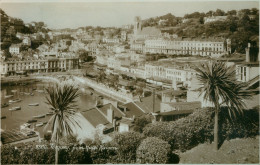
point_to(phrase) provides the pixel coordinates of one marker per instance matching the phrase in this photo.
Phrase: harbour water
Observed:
(14, 119)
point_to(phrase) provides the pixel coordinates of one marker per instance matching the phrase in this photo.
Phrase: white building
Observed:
(15, 48)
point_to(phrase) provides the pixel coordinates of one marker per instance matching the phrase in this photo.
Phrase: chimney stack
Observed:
(153, 99)
(110, 114)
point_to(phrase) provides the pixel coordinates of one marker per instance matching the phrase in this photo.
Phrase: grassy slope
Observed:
(233, 151)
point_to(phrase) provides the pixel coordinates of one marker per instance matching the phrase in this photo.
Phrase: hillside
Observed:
(10, 26)
(240, 26)
(237, 151)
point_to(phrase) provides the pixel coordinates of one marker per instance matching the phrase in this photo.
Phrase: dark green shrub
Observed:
(127, 144)
(141, 122)
(153, 150)
(188, 132)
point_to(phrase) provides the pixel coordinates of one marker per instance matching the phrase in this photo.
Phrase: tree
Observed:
(221, 88)
(127, 144)
(153, 150)
(141, 122)
(219, 13)
(62, 102)
(83, 55)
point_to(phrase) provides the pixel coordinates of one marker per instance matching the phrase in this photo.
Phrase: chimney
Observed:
(153, 99)
(114, 124)
(125, 109)
(110, 114)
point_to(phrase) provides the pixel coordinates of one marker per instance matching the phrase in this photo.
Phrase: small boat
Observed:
(4, 105)
(8, 96)
(49, 113)
(32, 121)
(45, 122)
(3, 117)
(39, 116)
(39, 124)
(26, 93)
(15, 108)
(15, 101)
(13, 91)
(25, 125)
(32, 94)
(34, 104)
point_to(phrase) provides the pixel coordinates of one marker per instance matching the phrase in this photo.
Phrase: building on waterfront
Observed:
(32, 65)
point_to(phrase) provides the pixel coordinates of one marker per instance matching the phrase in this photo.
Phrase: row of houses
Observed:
(185, 46)
(33, 65)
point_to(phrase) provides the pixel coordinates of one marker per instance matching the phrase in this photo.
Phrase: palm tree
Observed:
(219, 86)
(61, 99)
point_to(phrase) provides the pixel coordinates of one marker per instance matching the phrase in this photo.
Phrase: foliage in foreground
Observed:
(153, 150)
(127, 144)
(197, 128)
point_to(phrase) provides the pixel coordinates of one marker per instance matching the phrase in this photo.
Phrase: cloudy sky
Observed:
(57, 14)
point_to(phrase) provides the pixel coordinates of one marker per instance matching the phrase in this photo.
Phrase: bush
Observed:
(74, 154)
(127, 144)
(153, 150)
(141, 122)
(188, 132)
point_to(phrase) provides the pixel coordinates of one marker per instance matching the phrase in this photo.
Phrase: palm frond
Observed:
(62, 100)
(219, 86)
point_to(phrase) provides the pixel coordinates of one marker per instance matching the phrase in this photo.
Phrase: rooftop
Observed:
(132, 110)
(146, 104)
(117, 113)
(95, 117)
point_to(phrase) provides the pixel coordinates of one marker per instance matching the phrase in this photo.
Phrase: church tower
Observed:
(137, 26)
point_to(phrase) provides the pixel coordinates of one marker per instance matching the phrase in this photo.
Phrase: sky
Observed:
(57, 14)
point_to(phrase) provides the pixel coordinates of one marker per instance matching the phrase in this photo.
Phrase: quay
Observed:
(14, 136)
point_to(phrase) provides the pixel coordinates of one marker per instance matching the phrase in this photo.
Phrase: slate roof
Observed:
(133, 110)
(95, 117)
(117, 112)
(147, 104)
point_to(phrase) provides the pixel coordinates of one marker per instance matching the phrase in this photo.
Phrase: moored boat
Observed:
(26, 93)
(32, 121)
(25, 125)
(32, 94)
(15, 101)
(3, 117)
(34, 104)
(4, 105)
(8, 96)
(39, 124)
(39, 116)
(13, 91)
(45, 122)
(15, 108)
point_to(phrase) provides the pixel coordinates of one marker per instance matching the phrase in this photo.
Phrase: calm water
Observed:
(15, 118)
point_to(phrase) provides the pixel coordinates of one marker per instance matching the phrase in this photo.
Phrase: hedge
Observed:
(188, 132)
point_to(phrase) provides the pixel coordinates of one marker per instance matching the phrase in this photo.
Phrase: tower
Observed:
(137, 25)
